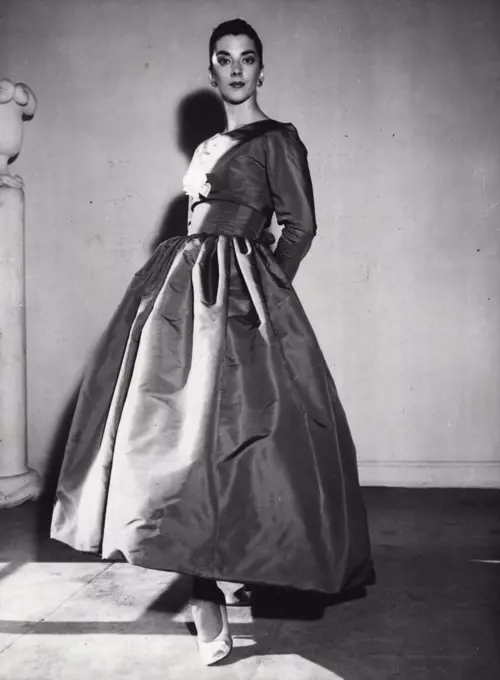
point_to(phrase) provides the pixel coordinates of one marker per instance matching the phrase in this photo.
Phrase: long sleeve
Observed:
(292, 198)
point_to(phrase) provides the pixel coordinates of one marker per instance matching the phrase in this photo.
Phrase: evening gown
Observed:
(208, 437)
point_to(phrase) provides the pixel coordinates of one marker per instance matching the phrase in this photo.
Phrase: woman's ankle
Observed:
(205, 589)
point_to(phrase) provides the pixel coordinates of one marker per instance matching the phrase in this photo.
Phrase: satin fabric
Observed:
(209, 438)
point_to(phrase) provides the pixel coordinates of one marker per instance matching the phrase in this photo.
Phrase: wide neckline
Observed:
(255, 122)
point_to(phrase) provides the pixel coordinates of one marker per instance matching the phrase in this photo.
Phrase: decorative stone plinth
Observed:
(17, 482)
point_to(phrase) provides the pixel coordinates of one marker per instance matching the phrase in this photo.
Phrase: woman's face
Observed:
(236, 68)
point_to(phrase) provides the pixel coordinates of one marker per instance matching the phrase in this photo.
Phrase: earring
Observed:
(213, 83)
(260, 82)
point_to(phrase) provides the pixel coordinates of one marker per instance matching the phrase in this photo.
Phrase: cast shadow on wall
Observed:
(199, 116)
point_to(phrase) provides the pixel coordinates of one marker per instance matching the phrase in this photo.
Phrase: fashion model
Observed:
(208, 437)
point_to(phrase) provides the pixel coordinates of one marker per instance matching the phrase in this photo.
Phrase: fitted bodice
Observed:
(227, 219)
(213, 211)
(237, 180)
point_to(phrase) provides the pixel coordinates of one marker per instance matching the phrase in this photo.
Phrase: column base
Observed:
(18, 489)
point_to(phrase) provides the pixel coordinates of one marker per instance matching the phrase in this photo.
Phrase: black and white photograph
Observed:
(249, 339)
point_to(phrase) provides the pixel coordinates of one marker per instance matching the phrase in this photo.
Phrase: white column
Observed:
(17, 482)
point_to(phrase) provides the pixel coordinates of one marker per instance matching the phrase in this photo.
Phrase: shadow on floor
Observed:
(433, 614)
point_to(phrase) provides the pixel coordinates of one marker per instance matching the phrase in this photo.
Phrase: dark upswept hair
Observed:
(234, 27)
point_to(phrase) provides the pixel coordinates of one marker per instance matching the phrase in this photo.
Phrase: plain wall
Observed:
(398, 102)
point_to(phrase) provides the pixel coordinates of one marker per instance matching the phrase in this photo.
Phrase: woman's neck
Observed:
(242, 114)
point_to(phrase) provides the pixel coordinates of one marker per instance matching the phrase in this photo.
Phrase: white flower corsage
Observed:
(195, 182)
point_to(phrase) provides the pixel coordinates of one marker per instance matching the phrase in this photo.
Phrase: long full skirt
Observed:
(208, 437)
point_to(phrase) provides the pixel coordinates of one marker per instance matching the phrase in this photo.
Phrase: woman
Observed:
(209, 438)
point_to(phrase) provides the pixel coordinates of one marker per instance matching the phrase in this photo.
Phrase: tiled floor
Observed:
(433, 614)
